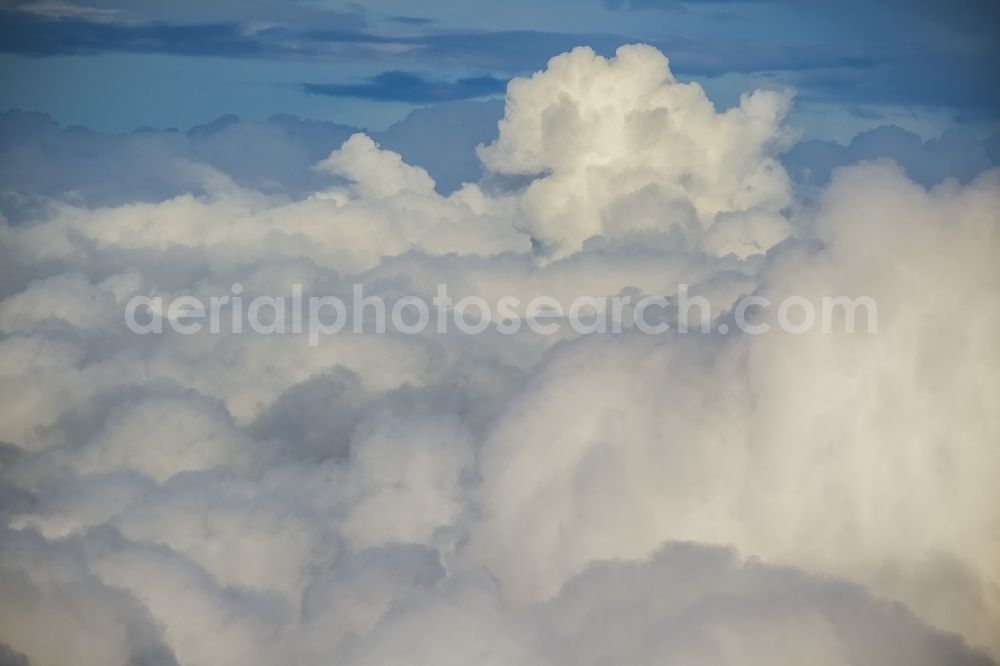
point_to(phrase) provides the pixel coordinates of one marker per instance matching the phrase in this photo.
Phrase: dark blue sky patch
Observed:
(411, 20)
(398, 86)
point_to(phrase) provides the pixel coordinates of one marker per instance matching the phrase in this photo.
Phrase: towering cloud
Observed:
(443, 498)
(621, 146)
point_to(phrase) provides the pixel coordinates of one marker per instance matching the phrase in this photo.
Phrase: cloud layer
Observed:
(454, 499)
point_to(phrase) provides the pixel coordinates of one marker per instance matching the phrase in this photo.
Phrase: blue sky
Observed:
(115, 65)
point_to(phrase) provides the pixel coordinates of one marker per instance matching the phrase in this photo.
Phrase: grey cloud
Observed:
(955, 154)
(11, 657)
(698, 604)
(59, 612)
